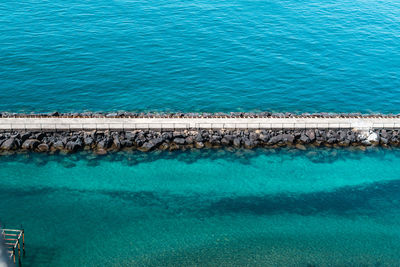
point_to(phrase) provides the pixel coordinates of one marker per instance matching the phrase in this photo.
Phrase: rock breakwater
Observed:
(102, 142)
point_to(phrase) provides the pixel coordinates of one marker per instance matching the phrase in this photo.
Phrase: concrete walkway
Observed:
(54, 123)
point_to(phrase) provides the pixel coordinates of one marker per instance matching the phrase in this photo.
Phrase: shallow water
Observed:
(200, 55)
(247, 208)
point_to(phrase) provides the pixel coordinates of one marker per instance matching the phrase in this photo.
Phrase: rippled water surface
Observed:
(219, 208)
(203, 208)
(251, 55)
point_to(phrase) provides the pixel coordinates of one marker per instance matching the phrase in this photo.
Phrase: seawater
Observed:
(210, 208)
(173, 55)
(203, 208)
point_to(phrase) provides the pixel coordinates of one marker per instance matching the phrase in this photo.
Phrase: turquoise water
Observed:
(209, 208)
(200, 55)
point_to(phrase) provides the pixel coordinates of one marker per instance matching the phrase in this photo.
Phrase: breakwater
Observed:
(145, 140)
(118, 131)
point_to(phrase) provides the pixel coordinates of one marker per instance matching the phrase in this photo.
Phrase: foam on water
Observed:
(252, 208)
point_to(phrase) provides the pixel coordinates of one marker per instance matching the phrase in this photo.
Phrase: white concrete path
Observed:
(55, 123)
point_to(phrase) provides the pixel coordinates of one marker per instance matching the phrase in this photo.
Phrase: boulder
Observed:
(275, 139)
(264, 137)
(147, 146)
(199, 138)
(157, 141)
(10, 144)
(116, 142)
(225, 141)
(72, 146)
(25, 136)
(30, 144)
(59, 145)
(304, 139)
(373, 138)
(236, 142)
(43, 147)
(288, 138)
(88, 141)
(40, 136)
(179, 141)
(189, 140)
(311, 135)
(248, 143)
(199, 144)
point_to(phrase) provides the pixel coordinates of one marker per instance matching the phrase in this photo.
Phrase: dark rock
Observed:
(237, 142)
(147, 146)
(58, 145)
(332, 140)
(179, 141)
(157, 141)
(304, 139)
(30, 144)
(288, 138)
(384, 141)
(199, 138)
(39, 136)
(25, 136)
(253, 136)
(88, 141)
(199, 144)
(10, 144)
(72, 146)
(43, 147)
(248, 144)
(264, 137)
(189, 140)
(275, 139)
(126, 143)
(177, 134)
(225, 141)
(311, 135)
(130, 136)
(384, 134)
(116, 142)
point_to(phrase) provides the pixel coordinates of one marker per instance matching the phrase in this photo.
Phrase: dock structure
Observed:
(14, 240)
(126, 123)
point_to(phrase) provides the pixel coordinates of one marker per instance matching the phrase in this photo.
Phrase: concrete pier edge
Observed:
(178, 121)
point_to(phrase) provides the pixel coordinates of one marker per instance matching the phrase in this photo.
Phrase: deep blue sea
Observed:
(203, 208)
(236, 55)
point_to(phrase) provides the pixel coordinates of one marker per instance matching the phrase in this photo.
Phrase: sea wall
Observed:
(102, 142)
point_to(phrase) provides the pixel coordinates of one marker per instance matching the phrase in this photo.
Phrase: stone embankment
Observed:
(103, 142)
(26, 132)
